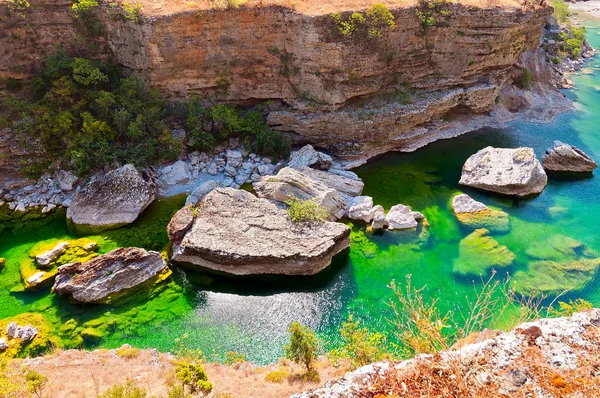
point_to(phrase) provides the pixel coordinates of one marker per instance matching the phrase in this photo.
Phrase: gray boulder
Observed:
(565, 157)
(25, 333)
(202, 190)
(361, 209)
(308, 157)
(505, 170)
(111, 201)
(3, 345)
(341, 183)
(66, 180)
(402, 217)
(237, 233)
(234, 158)
(290, 183)
(178, 173)
(463, 203)
(109, 277)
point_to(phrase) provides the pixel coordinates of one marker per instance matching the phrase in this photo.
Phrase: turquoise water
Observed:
(221, 314)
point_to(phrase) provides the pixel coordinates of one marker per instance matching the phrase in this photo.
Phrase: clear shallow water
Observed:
(251, 315)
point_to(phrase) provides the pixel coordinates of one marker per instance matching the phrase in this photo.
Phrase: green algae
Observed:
(480, 253)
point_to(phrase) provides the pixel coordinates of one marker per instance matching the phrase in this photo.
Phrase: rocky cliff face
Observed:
(355, 96)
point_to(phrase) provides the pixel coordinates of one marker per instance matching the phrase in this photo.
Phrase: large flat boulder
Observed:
(289, 184)
(237, 233)
(505, 170)
(109, 277)
(348, 186)
(111, 201)
(565, 157)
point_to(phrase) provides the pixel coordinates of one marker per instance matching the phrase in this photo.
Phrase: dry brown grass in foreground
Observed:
(83, 374)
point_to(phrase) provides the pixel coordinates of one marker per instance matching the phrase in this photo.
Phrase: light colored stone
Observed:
(202, 190)
(178, 173)
(36, 278)
(290, 183)
(361, 209)
(341, 183)
(505, 170)
(111, 201)
(234, 158)
(66, 180)
(46, 258)
(474, 214)
(266, 169)
(401, 217)
(212, 169)
(105, 278)
(565, 157)
(463, 203)
(3, 344)
(237, 233)
(307, 156)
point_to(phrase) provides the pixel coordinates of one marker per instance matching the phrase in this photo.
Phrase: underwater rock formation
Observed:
(505, 170)
(290, 183)
(479, 253)
(108, 277)
(111, 201)
(474, 214)
(565, 157)
(237, 233)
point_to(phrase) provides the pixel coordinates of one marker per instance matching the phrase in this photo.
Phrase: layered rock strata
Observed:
(237, 233)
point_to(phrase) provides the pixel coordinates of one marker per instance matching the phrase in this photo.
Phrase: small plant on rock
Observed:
(524, 80)
(127, 390)
(306, 210)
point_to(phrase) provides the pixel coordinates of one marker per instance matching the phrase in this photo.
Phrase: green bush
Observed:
(306, 210)
(524, 80)
(132, 12)
(433, 13)
(561, 10)
(82, 7)
(379, 19)
(358, 347)
(233, 357)
(568, 309)
(127, 390)
(303, 347)
(193, 377)
(373, 23)
(347, 27)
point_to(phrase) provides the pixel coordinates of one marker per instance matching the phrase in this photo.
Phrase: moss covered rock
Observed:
(478, 253)
(474, 214)
(38, 345)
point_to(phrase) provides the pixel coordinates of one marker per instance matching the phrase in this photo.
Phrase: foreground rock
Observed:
(111, 201)
(308, 157)
(505, 170)
(237, 233)
(565, 157)
(290, 183)
(535, 356)
(108, 277)
(474, 214)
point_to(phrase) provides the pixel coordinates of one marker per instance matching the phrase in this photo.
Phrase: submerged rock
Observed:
(479, 253)
(111, 201)
(237, 233)
(475, 214)
(44, 259)
(565, 157)
(505, 170)
(107, 277)
(290, 183)
(307, 156)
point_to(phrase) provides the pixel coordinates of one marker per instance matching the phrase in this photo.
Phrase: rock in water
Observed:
(475, 214)
(478, 253)
(308, 157)
(108, 277)
(290, 183)
(111, 201)
(46, 258)
(348, 186)
(402, 217)
(565, 157)
(505, 170)
(237, 233)
(361, 209)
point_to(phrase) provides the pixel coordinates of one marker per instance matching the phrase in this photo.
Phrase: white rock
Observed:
(266, 169)
(47, 257)
(401, 217)
(234, 158)
(361, 209)
(66, 180)
(463, 203)
(194, 157)
(178, 173)
(307, 156)
(212, 169)
(3, 344)
(35, 278)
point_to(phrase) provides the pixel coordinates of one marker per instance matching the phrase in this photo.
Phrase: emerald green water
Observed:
(220, 314)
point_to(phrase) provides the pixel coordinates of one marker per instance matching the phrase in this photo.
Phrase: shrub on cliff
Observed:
(303, 347)
(524, 80)
(373, 23)
(193, 378)
(561, 10)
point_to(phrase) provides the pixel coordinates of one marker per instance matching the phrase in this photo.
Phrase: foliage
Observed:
(359, 347)
(379, 18)
(193, 377)
(524, 80)
(18, 7)
(183, 351)
(422, 329)
(233, 357)
(11, 380)
(129, 352)
(306, 210)
(127, 390)
(36, 382)
(568, 309)
(83, 7)
(561, 10)
(373, 23)
(132, 12)
(277, 376)
(225, 4)
(433, 13)
(573, 46)
(303, 346)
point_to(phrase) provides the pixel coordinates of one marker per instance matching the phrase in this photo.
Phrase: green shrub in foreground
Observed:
(303, 347)
(306, 210)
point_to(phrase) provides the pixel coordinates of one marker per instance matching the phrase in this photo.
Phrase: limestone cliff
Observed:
(355, 95)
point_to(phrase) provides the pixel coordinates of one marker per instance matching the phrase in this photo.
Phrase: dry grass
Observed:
(82, 374)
